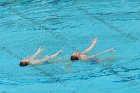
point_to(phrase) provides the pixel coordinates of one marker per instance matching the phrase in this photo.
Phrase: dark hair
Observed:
(74, 58)
(23, 64)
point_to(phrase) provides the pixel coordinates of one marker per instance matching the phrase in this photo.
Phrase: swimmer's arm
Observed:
(37, 53)
(91, 46)
(93, 56)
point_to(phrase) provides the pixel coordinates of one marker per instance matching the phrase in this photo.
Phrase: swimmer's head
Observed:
(24, 62)
(75, 56)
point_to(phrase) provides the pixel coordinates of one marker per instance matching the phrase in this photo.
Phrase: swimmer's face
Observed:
(24, 62)
(75, 56)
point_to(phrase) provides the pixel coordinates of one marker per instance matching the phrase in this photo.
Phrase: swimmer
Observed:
(83, 55)
(34, 61)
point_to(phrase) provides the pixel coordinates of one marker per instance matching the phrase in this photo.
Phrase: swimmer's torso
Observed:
(83, 56)
(32, 62)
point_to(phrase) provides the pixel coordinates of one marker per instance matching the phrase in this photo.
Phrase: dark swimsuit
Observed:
(93, 61)
(46, 62)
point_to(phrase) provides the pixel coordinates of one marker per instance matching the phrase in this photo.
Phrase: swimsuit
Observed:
(93, 61)
(46, 62)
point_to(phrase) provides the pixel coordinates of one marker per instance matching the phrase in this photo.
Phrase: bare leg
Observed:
(91, 46)
(111, 59)
(45, 58)
(37, 53)
(35, 62)
(93, 56)
(52, 56)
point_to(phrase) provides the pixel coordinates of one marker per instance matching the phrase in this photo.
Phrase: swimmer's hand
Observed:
(41, 49)
(61, 51)
(95, 40)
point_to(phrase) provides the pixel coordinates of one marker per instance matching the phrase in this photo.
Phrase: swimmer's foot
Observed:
(95, 40)
(61, 51)
(112, 50)
(41, 49)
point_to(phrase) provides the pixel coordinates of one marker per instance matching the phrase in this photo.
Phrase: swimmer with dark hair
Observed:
(83, 55)
(34, 61)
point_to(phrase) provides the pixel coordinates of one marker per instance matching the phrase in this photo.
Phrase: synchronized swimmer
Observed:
(83, 55)
(34, 61)
(75, 56)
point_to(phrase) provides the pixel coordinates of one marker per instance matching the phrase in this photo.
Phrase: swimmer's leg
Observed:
(91, 46)
(34, 56)
(110, 59)
(41, 60)
(46, 58)
(109, 50)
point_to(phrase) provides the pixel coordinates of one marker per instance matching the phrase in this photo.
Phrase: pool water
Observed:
(70, 25)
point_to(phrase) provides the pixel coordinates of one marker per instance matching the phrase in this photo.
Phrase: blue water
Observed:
(71, 25)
